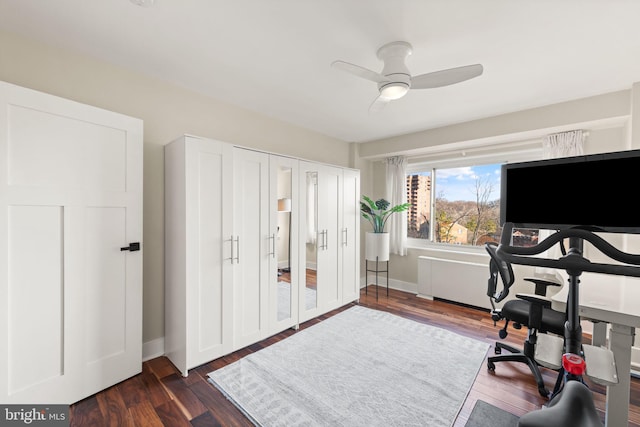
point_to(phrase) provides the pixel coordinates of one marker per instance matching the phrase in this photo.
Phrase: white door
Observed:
(209, 301)
(329, 226)
(70, 208)
(252, 245)
(350, 243)
(209, 294)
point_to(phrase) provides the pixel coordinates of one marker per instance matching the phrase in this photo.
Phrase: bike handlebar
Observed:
(572, 263)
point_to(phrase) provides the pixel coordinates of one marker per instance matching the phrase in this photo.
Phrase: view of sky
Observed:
(460, 183)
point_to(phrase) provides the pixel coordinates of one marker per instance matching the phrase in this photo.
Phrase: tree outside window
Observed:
(467, 206)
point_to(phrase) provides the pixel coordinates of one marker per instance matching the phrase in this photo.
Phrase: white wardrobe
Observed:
(236, 269)
(71, 259)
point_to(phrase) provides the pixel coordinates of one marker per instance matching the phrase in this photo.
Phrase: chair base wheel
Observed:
(497, 350)
(491, 366)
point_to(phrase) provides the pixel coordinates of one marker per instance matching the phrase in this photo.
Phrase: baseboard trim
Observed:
(152, 349)
(398, 285)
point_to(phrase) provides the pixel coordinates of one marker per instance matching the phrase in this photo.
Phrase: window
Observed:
(457, 202)
(466, 203)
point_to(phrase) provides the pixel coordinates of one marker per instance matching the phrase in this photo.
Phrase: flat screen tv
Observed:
(598, 192)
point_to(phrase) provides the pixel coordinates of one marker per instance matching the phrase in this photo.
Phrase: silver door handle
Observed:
(231, 246)
(273, 245)
(326, 239)
(237, 251)
(346, 237)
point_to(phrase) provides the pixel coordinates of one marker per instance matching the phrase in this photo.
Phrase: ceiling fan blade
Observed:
(446, 77)
(359, 71)
(378, 104)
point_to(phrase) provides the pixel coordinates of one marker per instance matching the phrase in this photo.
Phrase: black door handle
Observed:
(132, 247)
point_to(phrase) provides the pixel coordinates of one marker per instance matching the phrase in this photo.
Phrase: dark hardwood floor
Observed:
(160, 396)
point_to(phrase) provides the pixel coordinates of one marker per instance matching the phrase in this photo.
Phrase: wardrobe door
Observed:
(309, 241)
(329, 225)
(252, 246)
(71, 259)
(283, 253)
(321, 198)
(350, 243)
(198, 275)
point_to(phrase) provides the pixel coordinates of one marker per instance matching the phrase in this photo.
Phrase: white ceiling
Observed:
(274, 56)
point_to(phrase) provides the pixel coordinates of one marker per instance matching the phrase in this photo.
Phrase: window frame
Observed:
(511, 153)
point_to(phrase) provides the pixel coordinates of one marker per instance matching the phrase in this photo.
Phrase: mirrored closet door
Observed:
(310, 241)
(284, 211)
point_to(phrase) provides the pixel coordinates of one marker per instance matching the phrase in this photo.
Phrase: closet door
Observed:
(350, 243)
(310, 241)
(198, 229)
(253, 243)
(321, 198)
(71, 264)
(330, 229)
(283, 254)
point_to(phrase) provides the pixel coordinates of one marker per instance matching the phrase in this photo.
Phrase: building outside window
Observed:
(419, 196)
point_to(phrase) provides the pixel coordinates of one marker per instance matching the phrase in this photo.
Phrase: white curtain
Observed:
(396, 195)
(563, 144)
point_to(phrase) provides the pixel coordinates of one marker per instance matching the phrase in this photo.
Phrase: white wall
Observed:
(167, 111)
(599, 111)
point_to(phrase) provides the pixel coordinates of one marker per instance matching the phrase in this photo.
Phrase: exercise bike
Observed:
(571, 403)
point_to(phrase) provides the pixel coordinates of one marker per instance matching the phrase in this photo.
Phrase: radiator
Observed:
(459, 281)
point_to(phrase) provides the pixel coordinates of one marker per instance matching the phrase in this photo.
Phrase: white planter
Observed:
(377, 246)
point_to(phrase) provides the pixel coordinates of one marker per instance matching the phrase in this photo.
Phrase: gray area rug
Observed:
(361, 367)
(486, 415)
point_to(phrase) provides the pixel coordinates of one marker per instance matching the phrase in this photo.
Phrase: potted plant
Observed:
(378, 213)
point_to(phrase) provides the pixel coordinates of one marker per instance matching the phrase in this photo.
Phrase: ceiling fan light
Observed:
(394, 91)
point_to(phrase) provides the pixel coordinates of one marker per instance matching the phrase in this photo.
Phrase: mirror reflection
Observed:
(284, 243)
(311, 241)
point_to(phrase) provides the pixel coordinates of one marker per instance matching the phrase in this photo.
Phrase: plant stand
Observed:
(376, 271)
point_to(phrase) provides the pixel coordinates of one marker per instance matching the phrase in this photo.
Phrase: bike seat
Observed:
(573, 407)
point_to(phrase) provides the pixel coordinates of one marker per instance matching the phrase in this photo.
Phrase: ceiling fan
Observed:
(395, 80)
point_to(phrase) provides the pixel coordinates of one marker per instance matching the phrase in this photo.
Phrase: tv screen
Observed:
(597, 192)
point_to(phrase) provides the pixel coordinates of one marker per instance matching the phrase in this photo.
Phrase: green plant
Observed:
(378, 212)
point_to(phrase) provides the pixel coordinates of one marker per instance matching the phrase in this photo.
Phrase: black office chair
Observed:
(531, 311)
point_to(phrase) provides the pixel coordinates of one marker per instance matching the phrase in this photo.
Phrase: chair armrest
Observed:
(542, 284)
(536, 299)
(537, 304)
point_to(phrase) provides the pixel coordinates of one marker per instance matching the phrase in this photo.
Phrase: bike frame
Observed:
(574, 263)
